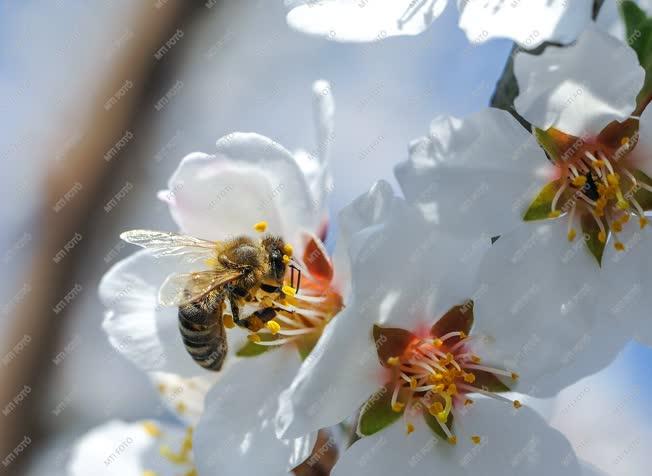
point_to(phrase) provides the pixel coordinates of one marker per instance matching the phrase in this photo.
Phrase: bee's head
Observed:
(275, 247)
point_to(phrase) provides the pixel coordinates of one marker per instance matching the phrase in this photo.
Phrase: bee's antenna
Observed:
(292, 268)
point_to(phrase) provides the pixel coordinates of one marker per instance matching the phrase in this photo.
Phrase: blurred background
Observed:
(101, 100)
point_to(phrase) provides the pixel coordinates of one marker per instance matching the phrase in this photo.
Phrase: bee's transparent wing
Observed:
(161, 243)
(183, 288)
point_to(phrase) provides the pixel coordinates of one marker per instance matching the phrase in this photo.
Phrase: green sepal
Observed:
(541, 206)
(377, 413)
(590, 231)
(638, 27)
(488, 382)
(251, 349)
(643, 196)
(306, 343)
(458, 318)
(433, 424)
(390, 342)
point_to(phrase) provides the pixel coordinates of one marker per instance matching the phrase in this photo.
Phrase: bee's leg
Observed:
(256, 320)
(235, 309)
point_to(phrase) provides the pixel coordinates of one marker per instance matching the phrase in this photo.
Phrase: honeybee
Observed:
(239, 269)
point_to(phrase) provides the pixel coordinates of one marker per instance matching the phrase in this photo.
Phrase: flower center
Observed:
(437, 374)
(597, 181)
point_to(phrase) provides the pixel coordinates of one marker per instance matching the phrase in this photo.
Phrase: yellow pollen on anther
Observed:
(623, 205)
(436, 408)
(287, 249)
(468, 402)
(393, 361)
(434, 378)
(397, 406)
(642, 221)
(286, 259)
(261, 226)
(255, 338)
(617, 226)
(152, 429)
(440, 387)
(619, 246)
(442, 417)
(409, 428)
(475, 439)
(413, 383)
(475, 359)
(602, 237)
(469, 377)
(514, 376)
(517, 404)
(273, 326)
(624, 219)
(181, 407)
(613, 180)
(452, 440)
(289, 290)
(572, 234)
(554, 213)
(438, 342)
(227, 320)
(579, 181)
(452, 389)
(624, 140)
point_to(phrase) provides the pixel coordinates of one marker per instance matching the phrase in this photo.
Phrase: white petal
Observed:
(641, 156)
(367, 20)
(251, 178)
(184, 396)
(626, 301)
(476, 175)
(609, 18)
(538, 303)
(512, 443)
(145, 332)
(529, 23)
(126, 449)
(236, 433)
(581, 88)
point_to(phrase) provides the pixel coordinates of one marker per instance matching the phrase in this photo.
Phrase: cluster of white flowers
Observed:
(443, 307)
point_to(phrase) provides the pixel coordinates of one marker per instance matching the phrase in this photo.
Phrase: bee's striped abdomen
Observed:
(203, 334)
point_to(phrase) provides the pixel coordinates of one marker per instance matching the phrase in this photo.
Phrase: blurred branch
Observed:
(36, 316)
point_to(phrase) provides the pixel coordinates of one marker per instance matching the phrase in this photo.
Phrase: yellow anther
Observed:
(152, 429)
(642, 221)
(409, 428)
(514, 376)
(413, 383)
(452, 389)
(572, 234)
(286, 259)
(440, 387)
(289, 290)
(261, 226)
(452, 440)
(434, 378)
(468, 402)
(273, 326)
(255, 338)
(287, 249)
(181, 407)
(613, 179)
(554, 213)
(442, 416)
(469, 377)
(438, 342)
(598, 163)
(227, 320)
(624, 219)
(517, 404)
(602, 237)
(617, 226)
(398, 406)
(436, 408)
(149, 472)
(393, 361)
(619, 246)
(462, 335)
(579, 181)
(475, 439)
(623, 205)
(161, 387)
(475, 359)
(624, 141)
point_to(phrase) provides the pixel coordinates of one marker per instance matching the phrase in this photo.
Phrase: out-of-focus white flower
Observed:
(528, 23)
(610, 20)
(144, 448)
(408, 345)
(250, 179)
